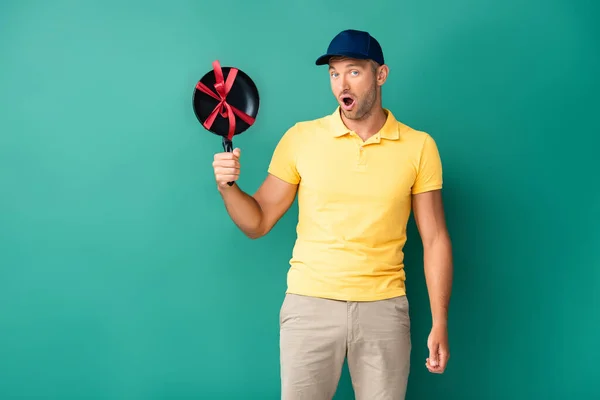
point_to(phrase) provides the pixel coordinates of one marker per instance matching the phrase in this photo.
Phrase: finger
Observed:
(225, 156)
(444, 356)
(222, 177)
(227, 171)
(431, 368)
(227, 178)
(433, 355)
(237, 152)
(226, 163)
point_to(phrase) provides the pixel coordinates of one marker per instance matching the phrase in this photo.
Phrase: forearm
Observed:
(438, 274)
(244, 210)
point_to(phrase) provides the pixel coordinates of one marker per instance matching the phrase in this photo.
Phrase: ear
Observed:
(382, 74)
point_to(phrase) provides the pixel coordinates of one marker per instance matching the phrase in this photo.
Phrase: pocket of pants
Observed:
(402, 309)
(283, 308)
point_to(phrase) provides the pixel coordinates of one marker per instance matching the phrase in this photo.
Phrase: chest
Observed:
(348, 171)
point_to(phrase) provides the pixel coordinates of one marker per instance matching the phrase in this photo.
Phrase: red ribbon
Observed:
(225, 109)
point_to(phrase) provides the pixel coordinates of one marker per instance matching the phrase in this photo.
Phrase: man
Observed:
(358, 173)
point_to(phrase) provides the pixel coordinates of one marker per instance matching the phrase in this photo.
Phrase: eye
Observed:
(354, 72)
(334, 74)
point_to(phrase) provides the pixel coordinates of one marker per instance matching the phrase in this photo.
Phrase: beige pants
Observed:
(316, 335)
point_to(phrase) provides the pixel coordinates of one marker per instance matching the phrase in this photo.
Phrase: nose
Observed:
(344, 84)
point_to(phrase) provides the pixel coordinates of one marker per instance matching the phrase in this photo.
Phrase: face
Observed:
(355, 84)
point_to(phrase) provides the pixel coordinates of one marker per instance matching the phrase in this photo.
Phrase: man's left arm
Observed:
(437, 258)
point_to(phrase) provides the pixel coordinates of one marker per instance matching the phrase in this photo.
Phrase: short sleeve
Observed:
(283, 162)
(429, 173)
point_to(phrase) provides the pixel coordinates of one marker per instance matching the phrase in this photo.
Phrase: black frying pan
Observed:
(226, 102)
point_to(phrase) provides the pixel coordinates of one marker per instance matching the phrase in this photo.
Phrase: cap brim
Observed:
(324, 59)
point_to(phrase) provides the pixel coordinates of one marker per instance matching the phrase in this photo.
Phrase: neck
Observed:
(368, 125)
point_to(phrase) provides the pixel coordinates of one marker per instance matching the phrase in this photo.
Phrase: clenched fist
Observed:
(227, 167)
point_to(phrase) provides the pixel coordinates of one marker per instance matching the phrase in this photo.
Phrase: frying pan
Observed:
(226, 103)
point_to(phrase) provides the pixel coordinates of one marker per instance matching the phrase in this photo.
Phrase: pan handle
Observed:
(228, 147)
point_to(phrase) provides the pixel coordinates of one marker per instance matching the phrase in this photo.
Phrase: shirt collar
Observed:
(390, 130)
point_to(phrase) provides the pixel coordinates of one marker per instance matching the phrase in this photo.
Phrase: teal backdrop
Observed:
(121, 275)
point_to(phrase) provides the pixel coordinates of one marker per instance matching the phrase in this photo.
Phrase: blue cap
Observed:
(354, 44)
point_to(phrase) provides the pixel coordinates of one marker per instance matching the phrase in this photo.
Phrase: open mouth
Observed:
(347, 101)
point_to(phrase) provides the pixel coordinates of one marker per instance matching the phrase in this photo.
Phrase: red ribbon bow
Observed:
(226, 110)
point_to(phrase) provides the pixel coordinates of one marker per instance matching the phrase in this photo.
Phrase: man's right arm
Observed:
(256, 215)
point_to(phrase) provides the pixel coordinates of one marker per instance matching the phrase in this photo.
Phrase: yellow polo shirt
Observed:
(354, 202)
